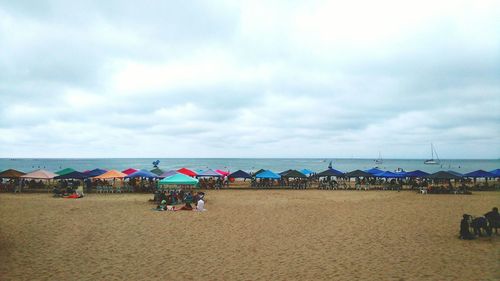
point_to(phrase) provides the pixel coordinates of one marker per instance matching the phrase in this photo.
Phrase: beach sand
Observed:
(247, 235)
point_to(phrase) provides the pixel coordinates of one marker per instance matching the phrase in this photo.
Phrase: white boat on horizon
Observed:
(379, 160)
(433, 161)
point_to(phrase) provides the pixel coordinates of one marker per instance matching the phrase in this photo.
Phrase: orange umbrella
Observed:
(112, 174)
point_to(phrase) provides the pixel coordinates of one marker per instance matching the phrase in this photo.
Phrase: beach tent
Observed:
(224, 173)
(496, 172)
(306, 172)
(455, 173)
(479, 174)
(284, 172)
(11, 174)
(129, 171)
(358, 174)
(142, 174)
(294, 174)
(208, 173)
(187, 172)
(157, 171)
(65, 171)
(374, 171)
(240, 175)
(168, 173)
(330, 173)
(259, 171)
(95, 172)
(73, 175)
(267, 174)
(112, 174)
(417, 174)
(388, 174)
(179, 179)
(39, 174)
(442, 175)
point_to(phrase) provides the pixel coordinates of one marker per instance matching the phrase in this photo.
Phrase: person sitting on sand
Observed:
(186, 207)
(162, 206)
(200, 206)
(493, 218)
(465, 228)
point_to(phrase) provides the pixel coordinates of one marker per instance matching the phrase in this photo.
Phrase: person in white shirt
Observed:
(200, 207)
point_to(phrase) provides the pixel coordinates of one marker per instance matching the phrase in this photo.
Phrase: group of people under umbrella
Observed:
(131, 180)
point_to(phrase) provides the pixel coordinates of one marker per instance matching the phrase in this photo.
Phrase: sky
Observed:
(319, 79)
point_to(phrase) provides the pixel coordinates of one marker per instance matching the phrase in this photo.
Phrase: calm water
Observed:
(247, 164)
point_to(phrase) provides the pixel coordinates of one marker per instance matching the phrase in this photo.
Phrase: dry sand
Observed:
(247, 235)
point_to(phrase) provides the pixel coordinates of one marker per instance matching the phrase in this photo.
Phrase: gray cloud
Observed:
(226, 79)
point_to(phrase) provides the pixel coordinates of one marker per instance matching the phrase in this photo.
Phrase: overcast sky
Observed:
(325, 79)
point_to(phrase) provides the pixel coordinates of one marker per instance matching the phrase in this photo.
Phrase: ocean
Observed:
(246, 164)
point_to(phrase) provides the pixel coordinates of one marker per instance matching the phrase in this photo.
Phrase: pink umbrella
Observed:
(224, 173)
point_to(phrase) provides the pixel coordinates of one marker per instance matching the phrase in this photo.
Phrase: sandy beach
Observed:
(247, 235)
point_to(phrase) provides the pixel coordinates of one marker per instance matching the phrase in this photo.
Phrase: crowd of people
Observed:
(167, 200)
(472, 227)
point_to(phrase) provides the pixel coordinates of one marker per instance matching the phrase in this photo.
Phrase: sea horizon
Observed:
(247, 164)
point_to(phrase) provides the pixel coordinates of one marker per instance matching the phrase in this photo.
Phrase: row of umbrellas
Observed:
(69, 173)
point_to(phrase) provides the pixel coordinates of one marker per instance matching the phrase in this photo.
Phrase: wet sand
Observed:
(247, 235)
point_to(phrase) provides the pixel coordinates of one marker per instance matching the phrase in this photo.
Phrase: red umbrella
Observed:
(187, 172)
(129, 171)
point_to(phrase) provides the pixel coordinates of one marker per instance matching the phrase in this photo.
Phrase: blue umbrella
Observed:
(306, 172)
(388, 174)
(142, 174)
(479, 174)
(267, 174)
(496, 172)
(417, 174)
(240, 175)
(95, 172)
(374, 171)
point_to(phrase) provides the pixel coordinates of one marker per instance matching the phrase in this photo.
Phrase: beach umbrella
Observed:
(455, 173)
(374, 171)
(168, 173)
(142, 174)
(259, 171)
(224, 173)
(294, 174)
(284, 172)
(496, 172)
(267, 174)
(11, 174)
(39, 174)
(240, 175)
(442, 175)
(388, 174)
(157, 171)
(417, 174)
(208, 173)
(73, 175)
(330, 173)
(306, 172)
(65, 171)
(358, 174)
(95, 172)
(112, 174)
(479, 174)
(129, 171)
(179, 179)
(187, 172)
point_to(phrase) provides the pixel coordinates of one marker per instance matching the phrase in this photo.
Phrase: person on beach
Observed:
(162, 206)
(200, 206)
(493, 218)
(465, 228)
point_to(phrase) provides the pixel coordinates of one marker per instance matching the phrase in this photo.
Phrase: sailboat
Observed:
(432, 161)
(379, 160)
